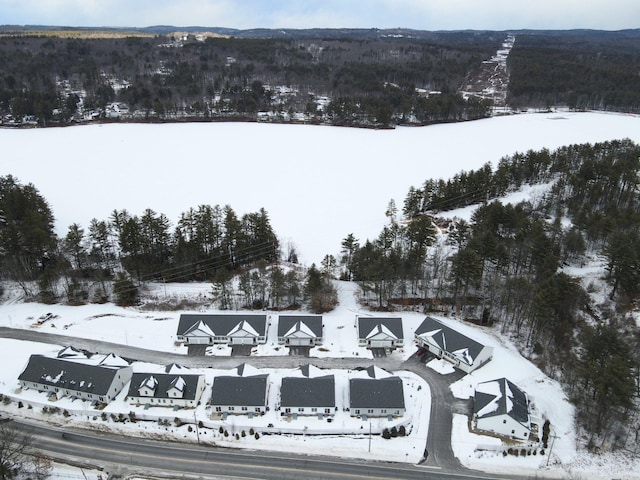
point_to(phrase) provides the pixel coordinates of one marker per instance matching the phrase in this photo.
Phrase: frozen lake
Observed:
(317, 183)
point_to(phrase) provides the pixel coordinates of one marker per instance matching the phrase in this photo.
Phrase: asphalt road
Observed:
(441, 462)
(135, 455)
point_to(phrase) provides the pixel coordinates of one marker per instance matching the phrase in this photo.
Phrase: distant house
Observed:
(240, 395)
(500, 407)
(380, 332)
(237, 329)
(175, 387)
(382, 396)
(97, 378)
(463, 352)
(300, 330)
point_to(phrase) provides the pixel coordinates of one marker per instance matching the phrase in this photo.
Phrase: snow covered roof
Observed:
(376, 393)
(389, 326)
(246, 370)
(243, 327)
(311, 371)
(310, 325)
(239, 391)
(308, 392)
(149, 382)
(71, 352)
(223, 325)
(164, 382)
(68, 374)
(113, 360)
(175, 368)
(462, 347)
(501, 397)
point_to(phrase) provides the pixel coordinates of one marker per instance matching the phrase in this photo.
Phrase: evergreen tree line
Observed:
(510, 265)
(127, 250)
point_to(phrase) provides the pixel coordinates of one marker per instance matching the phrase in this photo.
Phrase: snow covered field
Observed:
(318, 184)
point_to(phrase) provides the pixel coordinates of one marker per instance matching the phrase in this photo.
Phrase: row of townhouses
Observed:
(244, 391)
(500, 407)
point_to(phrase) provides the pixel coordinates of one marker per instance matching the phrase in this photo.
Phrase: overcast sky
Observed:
(242, 14)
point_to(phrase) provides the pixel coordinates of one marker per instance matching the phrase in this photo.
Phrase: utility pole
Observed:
(195, 421)
(369, 436)
(553, 440)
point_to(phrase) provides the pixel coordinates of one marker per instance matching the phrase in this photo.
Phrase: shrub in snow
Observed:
(221, 430)
(20, 405)
(132, 417)
(226, 434)
(546, 428)
(385, 434)
(394, 431)
(237, 437)
(177, 422)
(251, 432)
(402, 431)
(256, 436)
(243, 434)
(189, 429)
(104, 416)
(65, 413)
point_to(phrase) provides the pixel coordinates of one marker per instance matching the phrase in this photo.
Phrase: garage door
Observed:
(297, 342)
(379, 344)
(198, 340)
(242, 341)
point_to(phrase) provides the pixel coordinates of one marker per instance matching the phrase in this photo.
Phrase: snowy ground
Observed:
(340, 341)
(136, 166)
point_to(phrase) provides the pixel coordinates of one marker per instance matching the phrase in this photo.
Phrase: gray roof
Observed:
(367, 324)
(69, 375)
(239, 391)
(221, 325)
(376, 393)
(448, 339)
(286, 322)
(308, 392)
(165, 382)
(515, 404)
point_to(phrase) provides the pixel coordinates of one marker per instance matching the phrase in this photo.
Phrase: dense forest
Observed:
(373, 78)
(582, 70)
(518, 267)
(53, 79)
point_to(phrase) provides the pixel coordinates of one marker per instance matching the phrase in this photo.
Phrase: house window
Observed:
(370, 411)
(314, 409)
(384, 410)
(513, 432)
(218, 409)
(287, 410)
(231, 409)
(301, 409)
(327, 410)
(257, 409)
(244, 409)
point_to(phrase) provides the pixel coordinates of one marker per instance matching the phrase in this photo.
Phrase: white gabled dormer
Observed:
(148, 387)
(176, 388)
